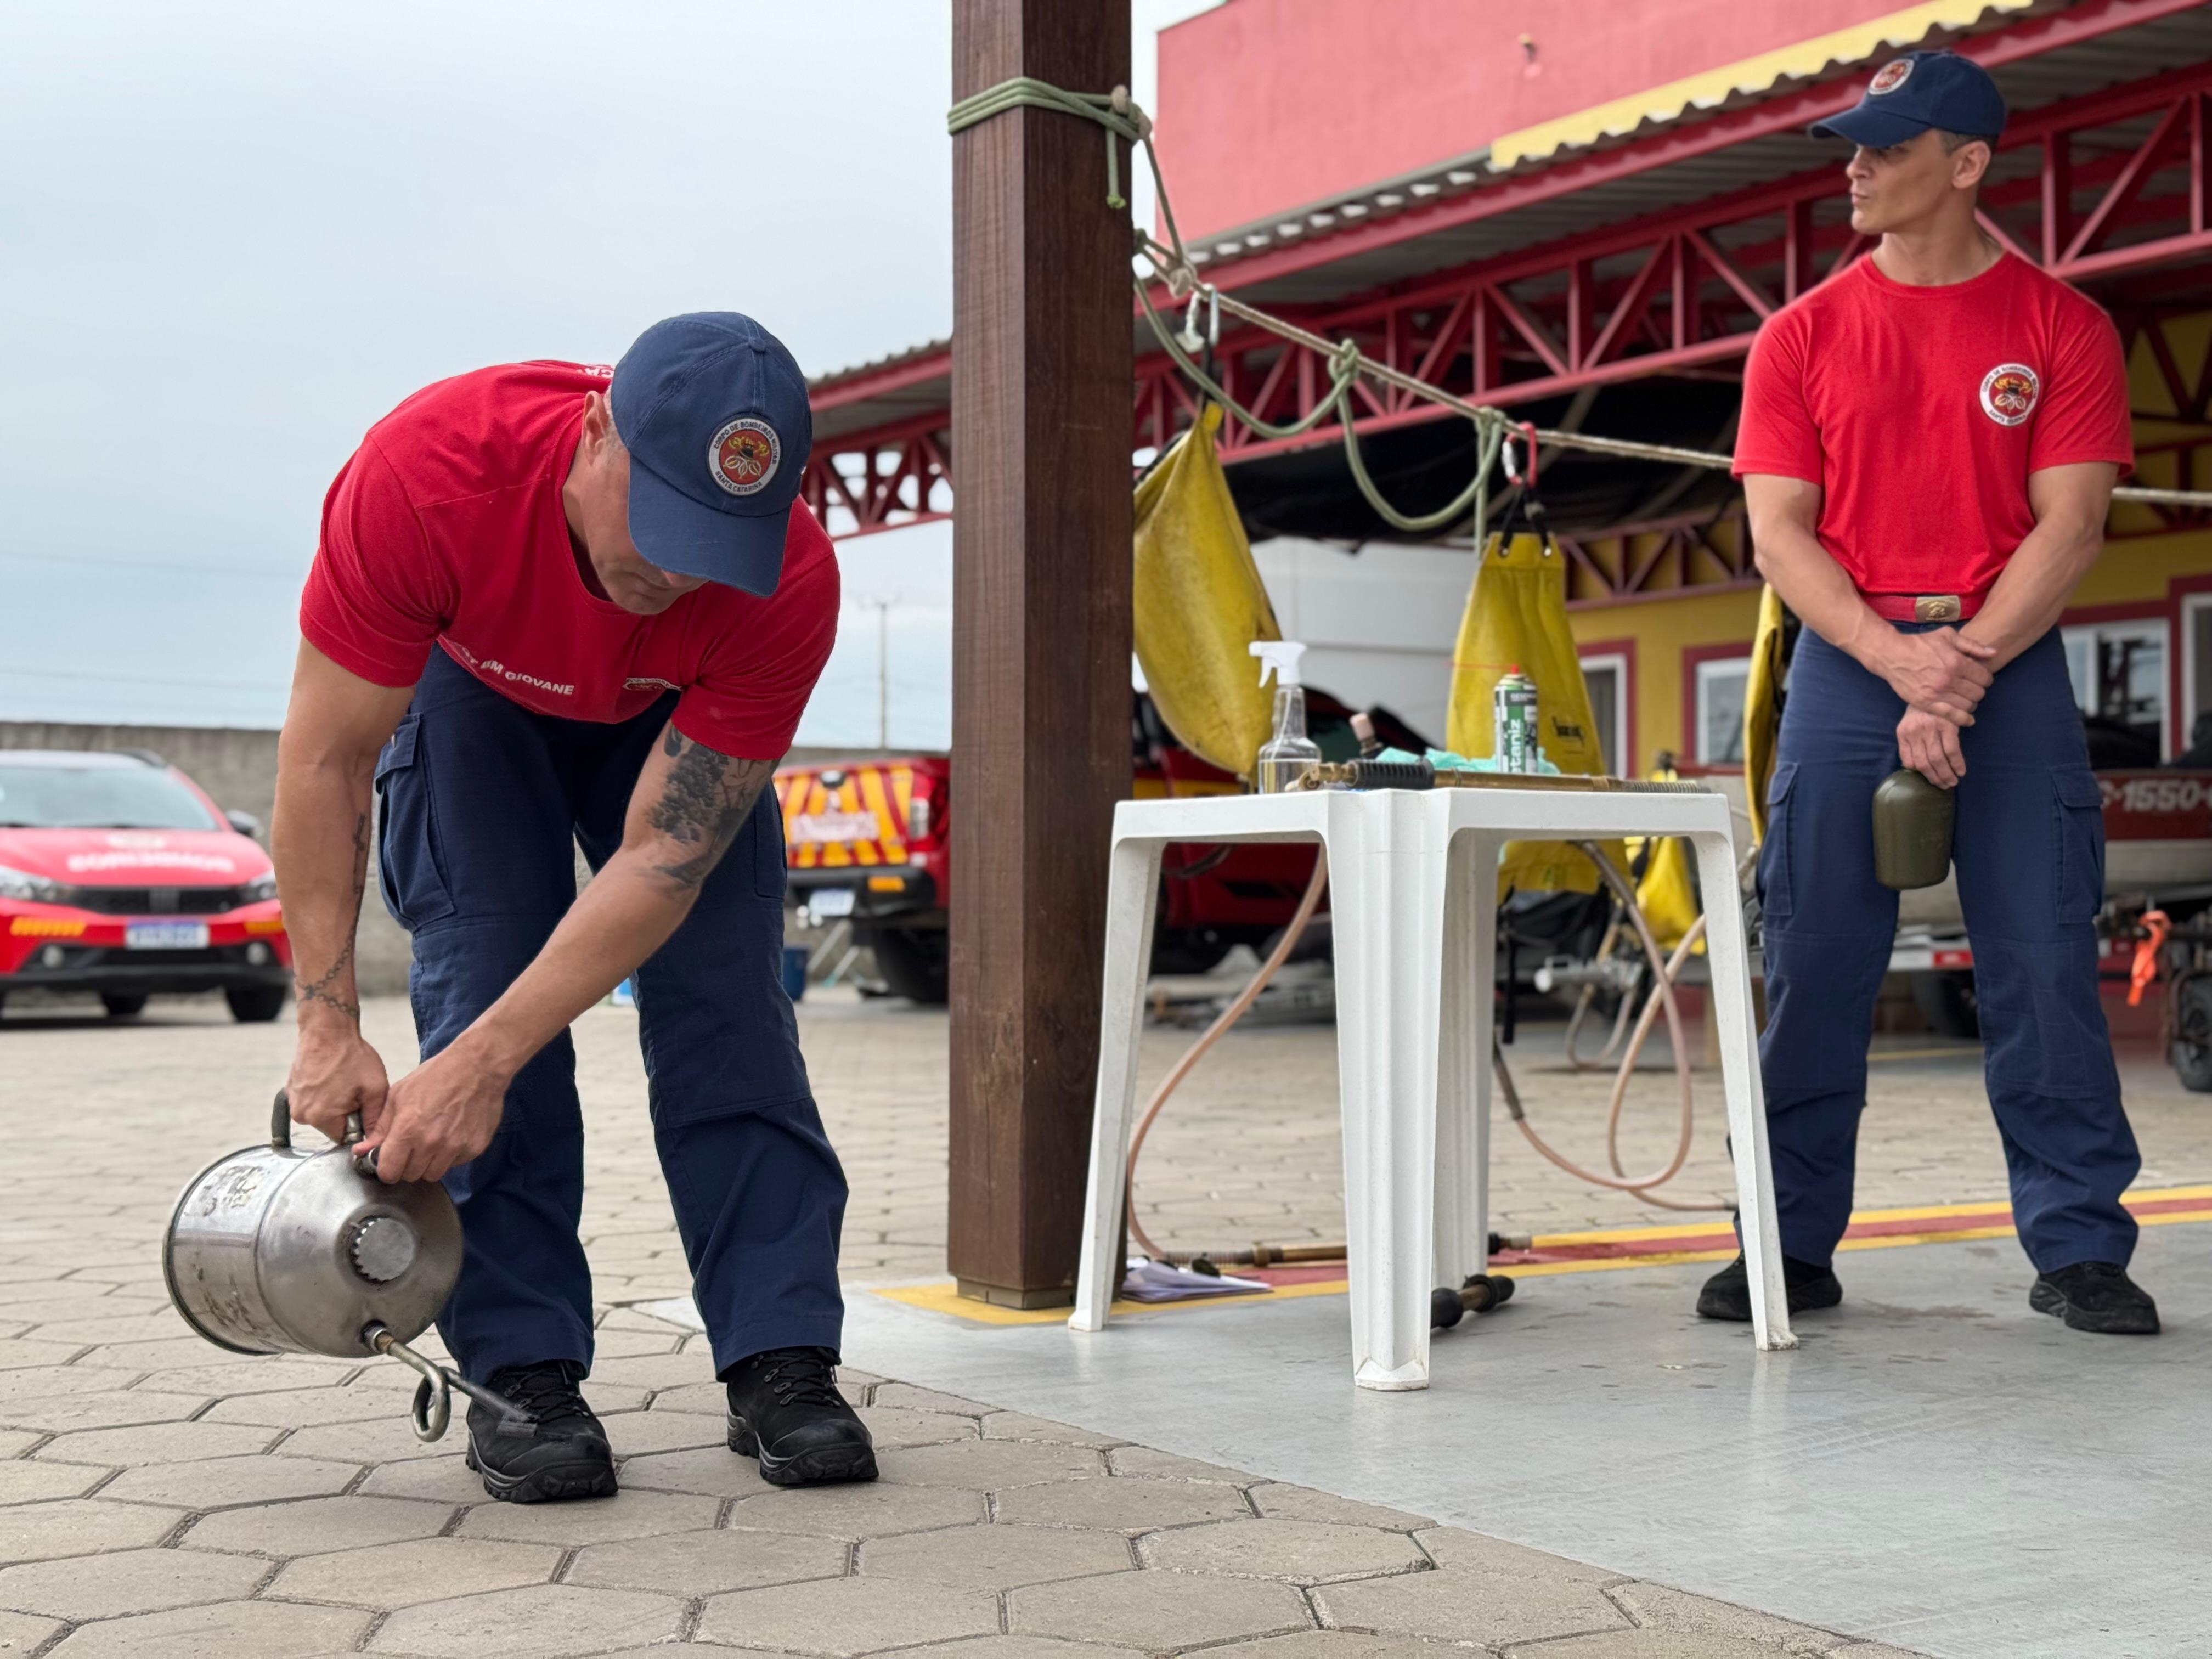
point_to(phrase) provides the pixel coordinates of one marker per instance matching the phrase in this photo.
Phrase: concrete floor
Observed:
(1937, 1467)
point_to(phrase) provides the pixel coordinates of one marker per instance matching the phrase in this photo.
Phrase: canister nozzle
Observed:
(1280, 658)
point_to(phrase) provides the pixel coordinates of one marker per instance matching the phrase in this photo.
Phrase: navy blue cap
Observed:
(713, 412)
(1920, 90)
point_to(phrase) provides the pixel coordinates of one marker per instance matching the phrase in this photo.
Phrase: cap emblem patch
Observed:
(1890, 76)
(2009, 393)
(744, 456)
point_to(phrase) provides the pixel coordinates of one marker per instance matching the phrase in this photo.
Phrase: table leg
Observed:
(1386, 875)
(1730, 961)
(1131, 896)
(1470, 975)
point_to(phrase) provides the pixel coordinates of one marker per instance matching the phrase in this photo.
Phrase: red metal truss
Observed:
(2109, 189)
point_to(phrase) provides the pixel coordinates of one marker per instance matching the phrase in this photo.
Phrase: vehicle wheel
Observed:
(251, 1004)
(121, 1007)
(914, 962)
(1947, 1002)
(2191, 1052)
(1187, 951)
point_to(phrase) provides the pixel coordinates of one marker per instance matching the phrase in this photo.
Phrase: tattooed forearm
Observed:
(702, 805)
(331, 986)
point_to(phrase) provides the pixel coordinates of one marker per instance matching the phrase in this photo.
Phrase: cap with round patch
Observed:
(714, 413)
(1908, 95)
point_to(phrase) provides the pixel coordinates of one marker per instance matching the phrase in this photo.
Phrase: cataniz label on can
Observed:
(1514, 711)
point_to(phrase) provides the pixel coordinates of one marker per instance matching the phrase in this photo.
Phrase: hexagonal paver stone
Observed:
(87, 1526)
(1121, 1505)
(659, 1370)
(50, 1382)
(1018, 1426)
(709, 1562)
(713, 1469)
(641, 1434)
(424, 1570)
(1279, 1502)
(990, 1465)
(104, 1409)
(596, 1520)
(300, 1408)
(217, 1482)
(384, 1437)
(1166, 1466)
(1157, 1611)
(905, 1394)
(25, 1482)
(1454, 1547)
(156, 1443)
(1655, 1608)
(1651, 1645)
(20, 1633)
(1452, 1604)
(227, 1630)
(444, 1479)
(891, 1427)
(127, 1581)
(268, 1375)
(843, 1616)
(873, 1509)
(700, 1399)
(995, 1557)
(316, 1524)
(1025, 1647)
(1342, 1645)
(1300, 1552)
(547, 1621)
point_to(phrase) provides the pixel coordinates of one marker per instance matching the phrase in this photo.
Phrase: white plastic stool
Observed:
(1413, 906)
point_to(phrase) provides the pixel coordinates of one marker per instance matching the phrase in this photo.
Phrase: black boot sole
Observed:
(2133, 1322)
(584, 1477)
(1821, 1294)
(820, 1466)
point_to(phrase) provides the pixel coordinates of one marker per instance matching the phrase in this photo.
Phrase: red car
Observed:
(118, 876)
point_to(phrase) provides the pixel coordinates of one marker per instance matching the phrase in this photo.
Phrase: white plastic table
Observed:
(1413, 884)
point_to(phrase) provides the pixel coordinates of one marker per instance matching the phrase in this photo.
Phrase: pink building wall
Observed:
(1267, 104)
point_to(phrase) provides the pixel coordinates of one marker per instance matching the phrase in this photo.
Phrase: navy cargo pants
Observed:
(2029, 853)
(481, 802)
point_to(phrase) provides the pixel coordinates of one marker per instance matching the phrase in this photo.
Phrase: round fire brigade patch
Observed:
(2009, 393)
(744, 455)
(1890, 76)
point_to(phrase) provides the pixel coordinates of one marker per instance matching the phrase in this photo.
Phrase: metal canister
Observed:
(273, 1249)
(1913, 822)
(1513, 713)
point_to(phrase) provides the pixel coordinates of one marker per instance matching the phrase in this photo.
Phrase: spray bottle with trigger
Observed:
(1289, 755)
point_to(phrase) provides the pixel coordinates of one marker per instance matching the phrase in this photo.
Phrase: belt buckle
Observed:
(1935, 607)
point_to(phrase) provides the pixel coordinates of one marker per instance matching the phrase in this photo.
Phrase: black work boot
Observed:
(785, 1410)
(2096, 1296)
(561, 1451)
(1727, 1294)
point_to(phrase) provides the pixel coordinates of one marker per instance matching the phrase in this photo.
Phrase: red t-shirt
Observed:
(1921, 412)
(447, 528)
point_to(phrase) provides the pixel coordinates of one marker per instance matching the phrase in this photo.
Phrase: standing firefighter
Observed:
(555, 606)
(1929, 442)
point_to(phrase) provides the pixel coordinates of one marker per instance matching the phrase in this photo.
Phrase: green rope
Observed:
(1118, 113)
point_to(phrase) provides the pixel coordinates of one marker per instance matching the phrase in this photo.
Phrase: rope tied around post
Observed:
(1115, 111)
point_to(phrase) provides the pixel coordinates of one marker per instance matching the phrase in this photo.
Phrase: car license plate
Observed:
(831, 901)
(165, 936)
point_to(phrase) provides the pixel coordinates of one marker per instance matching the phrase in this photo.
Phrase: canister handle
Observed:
(280, 1132)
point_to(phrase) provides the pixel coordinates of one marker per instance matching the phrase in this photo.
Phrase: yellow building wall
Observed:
(1662, 630)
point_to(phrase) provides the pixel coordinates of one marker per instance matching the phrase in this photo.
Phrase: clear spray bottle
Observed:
(1290, 754)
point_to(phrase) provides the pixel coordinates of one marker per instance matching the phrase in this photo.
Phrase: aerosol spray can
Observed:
(1513, 709)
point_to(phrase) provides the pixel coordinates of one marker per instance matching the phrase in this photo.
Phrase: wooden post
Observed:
(1042, 372)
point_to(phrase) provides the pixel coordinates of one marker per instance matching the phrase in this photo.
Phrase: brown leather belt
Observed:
(1925, 607)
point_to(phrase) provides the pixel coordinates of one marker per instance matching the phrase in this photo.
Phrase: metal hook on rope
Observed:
(433, 1408)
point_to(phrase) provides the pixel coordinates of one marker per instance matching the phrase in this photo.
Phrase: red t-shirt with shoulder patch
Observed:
(1921, 412)
(446, 529)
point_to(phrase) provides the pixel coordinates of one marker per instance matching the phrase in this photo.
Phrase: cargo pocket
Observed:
(2079, 806)
(768, 845)
(409, 866)
(1775, 876)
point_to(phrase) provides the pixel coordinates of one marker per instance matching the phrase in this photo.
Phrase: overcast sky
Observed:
(235, 234)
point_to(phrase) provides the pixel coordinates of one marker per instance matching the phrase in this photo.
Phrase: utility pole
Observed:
(1041, 553)
(883, 610)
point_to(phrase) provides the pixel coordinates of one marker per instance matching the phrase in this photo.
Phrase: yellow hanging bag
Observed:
(1762, 710)
(1667, 895)
(1200, 605)
(1516, 618)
